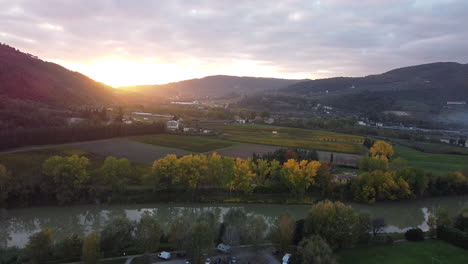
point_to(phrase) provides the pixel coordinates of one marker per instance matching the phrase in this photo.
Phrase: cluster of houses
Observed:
(145, 117)
(179, 127)
(457, 141)
(257, 119)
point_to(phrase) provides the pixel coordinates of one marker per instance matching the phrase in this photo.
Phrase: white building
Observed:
(172, 125)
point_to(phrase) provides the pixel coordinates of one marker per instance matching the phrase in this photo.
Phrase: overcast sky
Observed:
(122, 42)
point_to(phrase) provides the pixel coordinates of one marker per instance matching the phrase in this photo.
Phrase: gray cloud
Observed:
(335, 37)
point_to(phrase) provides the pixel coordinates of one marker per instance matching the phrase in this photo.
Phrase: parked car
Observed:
(233, 260)
(164, 255)
(208, 261)
(286, 258)
(224, 248)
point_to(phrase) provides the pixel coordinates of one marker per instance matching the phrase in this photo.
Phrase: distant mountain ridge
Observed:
(214, 86)
(26, 77)
(449, 80)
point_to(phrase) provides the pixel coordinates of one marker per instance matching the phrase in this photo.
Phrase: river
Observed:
(16, 225)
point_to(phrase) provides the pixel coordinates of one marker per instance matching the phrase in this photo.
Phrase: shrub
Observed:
(388, 239)
(414, 234)
(453, 236)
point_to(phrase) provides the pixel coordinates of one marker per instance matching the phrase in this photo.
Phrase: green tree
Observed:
(416, 179)
(372, 164)
(116, 172)
(324, 179)
(263, 168)
(69, 248)
(256, 229)
(364, 228)
(199, 240)
(179, 230)
(91, 249)
(39, 247)
(337, 223)
(117, 235)
(5, 184)
(148, 233)
(69, 175)
(282, 232)
(315, 250)
(235, 227)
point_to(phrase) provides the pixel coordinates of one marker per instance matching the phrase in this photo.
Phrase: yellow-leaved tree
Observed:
(299, 175)
(164, 172)
(382, 150)
(263, 168)
(243, 177)
(193, 169)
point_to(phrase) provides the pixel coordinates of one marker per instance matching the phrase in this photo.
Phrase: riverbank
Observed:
(18, 224)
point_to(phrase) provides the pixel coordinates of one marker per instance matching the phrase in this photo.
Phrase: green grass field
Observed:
(190, 143)
(30, 162)
(439, 164)
(291, 137)
(427, 252)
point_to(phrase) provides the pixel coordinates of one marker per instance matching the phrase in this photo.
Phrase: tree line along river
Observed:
(16, 225)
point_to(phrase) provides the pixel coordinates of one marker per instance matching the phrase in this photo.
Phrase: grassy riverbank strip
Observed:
(428, 251)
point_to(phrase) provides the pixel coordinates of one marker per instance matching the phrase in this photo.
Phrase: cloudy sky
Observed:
(123, 42)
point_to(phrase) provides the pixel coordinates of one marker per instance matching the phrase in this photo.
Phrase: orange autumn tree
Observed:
(382, 150)
(299, 175)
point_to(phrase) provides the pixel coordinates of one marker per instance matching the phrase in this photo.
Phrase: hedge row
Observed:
(453, 236)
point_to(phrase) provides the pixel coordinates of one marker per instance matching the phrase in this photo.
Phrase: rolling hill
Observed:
(442, 80)
(213, 86)
(26, 77)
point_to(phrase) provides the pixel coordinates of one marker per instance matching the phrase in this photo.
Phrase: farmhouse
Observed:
(269, 121)
(344, 177)
(148, 116)
(173, 125)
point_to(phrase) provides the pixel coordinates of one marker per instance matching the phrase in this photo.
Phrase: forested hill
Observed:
(441, 81)
(214, 86)
(26, 77)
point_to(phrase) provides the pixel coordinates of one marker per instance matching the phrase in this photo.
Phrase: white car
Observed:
(164, 255)
(286, 258)
(208, 261)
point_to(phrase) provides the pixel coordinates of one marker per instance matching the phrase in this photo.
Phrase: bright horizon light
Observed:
(120, 71)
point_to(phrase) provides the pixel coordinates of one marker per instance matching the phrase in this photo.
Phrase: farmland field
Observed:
(132, 150)
(429, 251)
(29, 163)
(245, 150)
(435, 163)
(292, 137)
(190, 143)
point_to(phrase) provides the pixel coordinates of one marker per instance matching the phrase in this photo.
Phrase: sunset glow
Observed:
(120, 71)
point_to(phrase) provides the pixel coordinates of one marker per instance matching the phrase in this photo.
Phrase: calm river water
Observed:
(17, 225)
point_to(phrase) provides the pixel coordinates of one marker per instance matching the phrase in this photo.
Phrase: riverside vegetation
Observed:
(329, 228)
(75, 178)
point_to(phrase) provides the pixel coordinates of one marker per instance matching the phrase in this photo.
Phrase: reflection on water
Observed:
(18, 224)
